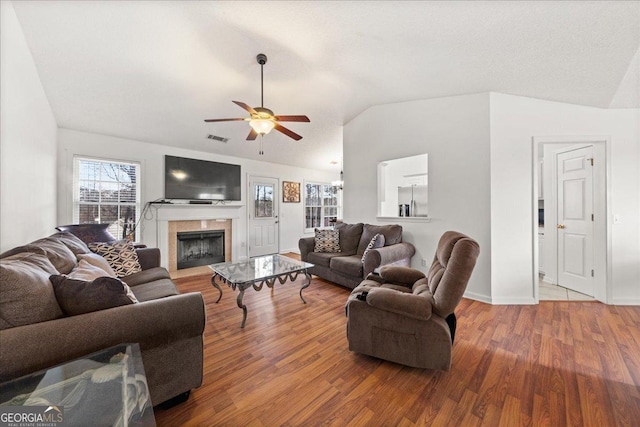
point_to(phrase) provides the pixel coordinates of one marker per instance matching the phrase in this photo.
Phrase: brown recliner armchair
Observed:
(406, 317)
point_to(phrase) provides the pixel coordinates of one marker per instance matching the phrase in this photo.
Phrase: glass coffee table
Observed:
(256, 272)
(106, 388)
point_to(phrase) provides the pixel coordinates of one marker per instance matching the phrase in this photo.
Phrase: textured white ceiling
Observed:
(154, 70)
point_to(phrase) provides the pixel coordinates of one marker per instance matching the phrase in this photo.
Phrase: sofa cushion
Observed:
(89, 233)
(26, 295)
(77, 296)
(322, 258)
(76, 245)
(58, 253)
(97, 261)
(153, 290)
(377, 241)
(392, 235)
(86, 271)
(348, 265)
(327, 241)
(349, 236)
(121, 256)
(145, 276)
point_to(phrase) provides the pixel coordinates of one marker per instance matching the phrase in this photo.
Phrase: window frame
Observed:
(76, 202)
(322, 205)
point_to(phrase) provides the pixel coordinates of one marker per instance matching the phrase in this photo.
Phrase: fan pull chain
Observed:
(260, 150)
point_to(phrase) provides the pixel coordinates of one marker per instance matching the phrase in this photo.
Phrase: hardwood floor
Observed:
(554, 364)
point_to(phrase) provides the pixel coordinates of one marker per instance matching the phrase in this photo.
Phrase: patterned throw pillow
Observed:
(120, 255)
(377, 241)
(327, 241)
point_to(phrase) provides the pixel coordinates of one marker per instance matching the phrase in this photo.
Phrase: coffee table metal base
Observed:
(257, 285)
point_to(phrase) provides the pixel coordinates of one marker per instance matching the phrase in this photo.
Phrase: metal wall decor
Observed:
(290, 192)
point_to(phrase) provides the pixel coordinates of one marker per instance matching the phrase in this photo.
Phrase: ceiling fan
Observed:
(262, 119)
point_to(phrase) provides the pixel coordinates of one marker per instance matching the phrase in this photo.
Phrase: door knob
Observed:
(561, 226)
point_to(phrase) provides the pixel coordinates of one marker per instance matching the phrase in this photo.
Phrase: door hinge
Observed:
(591, 217)
(592, 273)
(590, 160)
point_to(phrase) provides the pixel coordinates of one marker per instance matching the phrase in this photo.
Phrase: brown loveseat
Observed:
(347, 267)
(36, 334)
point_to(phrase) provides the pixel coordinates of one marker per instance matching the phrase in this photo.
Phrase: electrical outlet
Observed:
(424, 262)
(242, 244)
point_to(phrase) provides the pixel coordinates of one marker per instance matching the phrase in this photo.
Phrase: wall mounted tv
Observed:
(200, 179)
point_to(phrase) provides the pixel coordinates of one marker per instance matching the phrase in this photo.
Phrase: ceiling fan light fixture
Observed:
(262, 126)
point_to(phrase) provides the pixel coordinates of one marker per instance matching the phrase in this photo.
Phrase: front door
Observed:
(263, 216)
(575, 220)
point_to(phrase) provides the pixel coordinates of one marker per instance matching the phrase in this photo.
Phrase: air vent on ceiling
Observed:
(217, 138)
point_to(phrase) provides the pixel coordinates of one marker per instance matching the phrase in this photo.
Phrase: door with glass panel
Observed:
(263, 216)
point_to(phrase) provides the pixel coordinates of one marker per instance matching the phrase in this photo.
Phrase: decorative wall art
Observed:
(290, 192)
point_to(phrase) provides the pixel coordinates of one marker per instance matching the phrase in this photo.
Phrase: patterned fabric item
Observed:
(327, 241)
(121, 255)
(377, 241)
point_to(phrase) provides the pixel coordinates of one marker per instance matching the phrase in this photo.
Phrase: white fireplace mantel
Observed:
(183, 212)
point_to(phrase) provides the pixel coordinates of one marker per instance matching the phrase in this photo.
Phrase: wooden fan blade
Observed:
(289, 133)
(292, 118)
(223, 120)
(252, 135)
(246, 107)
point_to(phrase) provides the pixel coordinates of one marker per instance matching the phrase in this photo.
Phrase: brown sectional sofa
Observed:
(35, 334)
(346, 267)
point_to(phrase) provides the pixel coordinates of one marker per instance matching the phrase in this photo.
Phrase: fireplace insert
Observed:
(196, 248)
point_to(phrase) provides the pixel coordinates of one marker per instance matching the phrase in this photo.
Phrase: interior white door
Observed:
(575, 220)
(263, 216)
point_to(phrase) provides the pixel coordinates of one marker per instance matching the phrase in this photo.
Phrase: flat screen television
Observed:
(194, 179)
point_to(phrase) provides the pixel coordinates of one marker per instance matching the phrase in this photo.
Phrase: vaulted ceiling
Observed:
(154, 70)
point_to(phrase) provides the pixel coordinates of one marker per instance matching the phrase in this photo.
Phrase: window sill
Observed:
(404, 218)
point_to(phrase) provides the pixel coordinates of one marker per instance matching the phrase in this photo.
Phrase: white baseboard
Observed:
(626, 301)
(477, 297)
(295, 251)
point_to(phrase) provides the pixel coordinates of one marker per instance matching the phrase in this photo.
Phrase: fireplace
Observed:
(196, 248)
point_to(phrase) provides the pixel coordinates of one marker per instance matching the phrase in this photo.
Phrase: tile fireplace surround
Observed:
(174, 218)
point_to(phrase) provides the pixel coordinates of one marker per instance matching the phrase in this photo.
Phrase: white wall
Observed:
(480, 181)
(151, 157)
(514, 121)
(454, 131)
(27, 141)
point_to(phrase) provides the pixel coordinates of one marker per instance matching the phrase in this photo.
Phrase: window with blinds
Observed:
(107, 191)
(321, 204)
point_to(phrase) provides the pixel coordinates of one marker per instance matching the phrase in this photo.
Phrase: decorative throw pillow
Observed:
(377, 241)
(121, 256)
(80, 296)
(86, 271)
(97, 261)
(327, 241)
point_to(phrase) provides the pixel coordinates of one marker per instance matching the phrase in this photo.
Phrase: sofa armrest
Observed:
(401, 275)
(149, 257)
(404, 304)
(386, 255)
(151, 324)
(306, 245)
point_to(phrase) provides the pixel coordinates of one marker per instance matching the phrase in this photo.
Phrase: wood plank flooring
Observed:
(554, 364)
